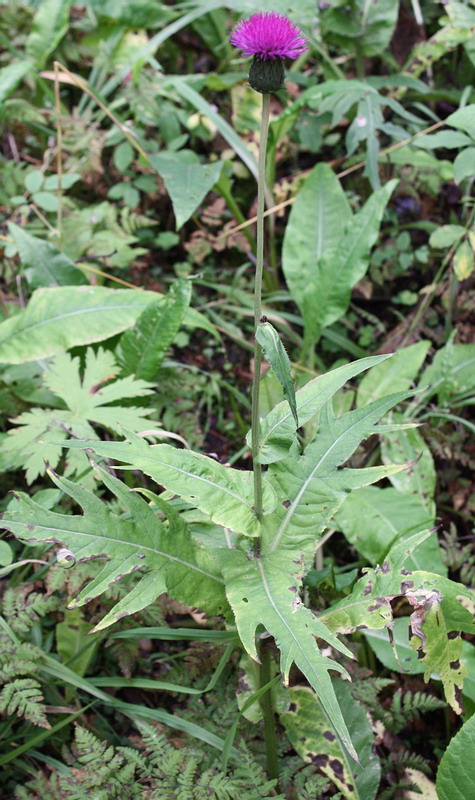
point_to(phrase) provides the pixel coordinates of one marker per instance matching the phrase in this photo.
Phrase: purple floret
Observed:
(269, 35)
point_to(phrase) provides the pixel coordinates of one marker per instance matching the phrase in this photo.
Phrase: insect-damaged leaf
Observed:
(265, 591)
(141, 542)
(314, 739)
(369, 607)
(439, 648)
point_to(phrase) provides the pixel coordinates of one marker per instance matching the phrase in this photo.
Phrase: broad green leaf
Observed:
(56, 319)
(456, 773)
(312, 737)
(404, 447)
(138, 542)
(46, 200)
(85, 399)
(463, 119)
(464, 165)
(326, 248)
(371, 25)
(6, 554)
(464, 261)
(351, 259)
(277, 357)
(73, 643)
(317, 219)
(398, 374)
(265, 591)
(277, 429)
(311, 487)
(143, 347)
(438, 649)
(225, 494)
(452, 372)
(186, 183)
(372, 519)
(446, 235)
(11, 75)
(42, 264)
(63, 317)
(446, 139)
(50, 24)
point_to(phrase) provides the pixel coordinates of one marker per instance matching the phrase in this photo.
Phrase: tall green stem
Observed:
(261, 184)
(267, 708)
(270, 735)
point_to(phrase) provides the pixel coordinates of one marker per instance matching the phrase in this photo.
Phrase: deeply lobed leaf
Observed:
(139, 543)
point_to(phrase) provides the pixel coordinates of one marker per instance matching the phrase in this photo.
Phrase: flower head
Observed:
(268, 36)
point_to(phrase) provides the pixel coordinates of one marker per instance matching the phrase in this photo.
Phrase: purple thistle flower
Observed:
(267, 36)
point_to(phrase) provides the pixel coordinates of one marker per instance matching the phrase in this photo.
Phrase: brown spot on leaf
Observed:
(380, 601)
(406, 585)
(320, 760)
(97, 386)
(292, 707)
(336, 766)
(459, 698)
(453, 634)
(368, 588)
(329, 735)
(455, 664)
(385, 568)
(406, 572)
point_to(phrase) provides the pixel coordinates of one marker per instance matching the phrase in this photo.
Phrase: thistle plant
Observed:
(269, 38)
(239, 542)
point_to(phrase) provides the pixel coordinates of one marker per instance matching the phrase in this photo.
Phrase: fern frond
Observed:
(17, 658)
(22, 609)
(39, 788)
(400, 760)
(186, 779)
(23, 697)
(397, 789)
(407, 707)
(366, 691)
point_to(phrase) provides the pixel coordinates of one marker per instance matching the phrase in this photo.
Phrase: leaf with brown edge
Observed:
(439, 650)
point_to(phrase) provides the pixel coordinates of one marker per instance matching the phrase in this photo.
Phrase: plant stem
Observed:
(261, 182)
(267, 707)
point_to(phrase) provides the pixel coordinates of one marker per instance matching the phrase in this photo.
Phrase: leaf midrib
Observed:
(51, 320)
(295, 503)
(215, 486)
(125, 543)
